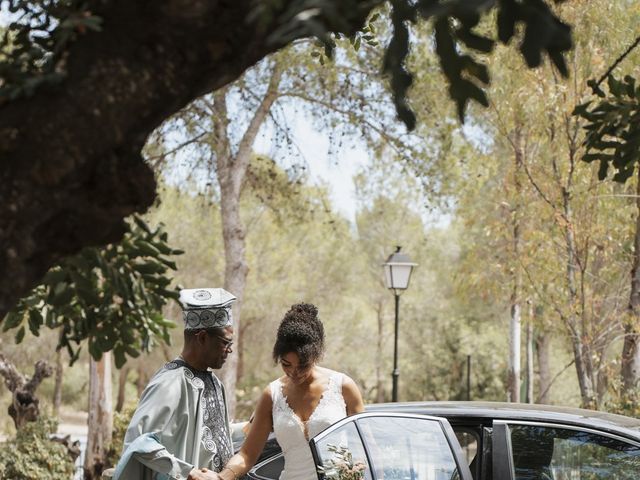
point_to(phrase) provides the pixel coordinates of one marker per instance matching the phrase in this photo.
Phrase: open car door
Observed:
(389, 446)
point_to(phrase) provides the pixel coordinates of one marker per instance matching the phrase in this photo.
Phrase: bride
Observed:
(300, 404)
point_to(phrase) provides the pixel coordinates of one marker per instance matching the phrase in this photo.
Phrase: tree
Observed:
(25, 405)
(97, 77)
(221, 130)
(613, 139)
(111, 298)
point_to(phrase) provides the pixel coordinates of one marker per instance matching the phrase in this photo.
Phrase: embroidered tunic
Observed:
(181, 422)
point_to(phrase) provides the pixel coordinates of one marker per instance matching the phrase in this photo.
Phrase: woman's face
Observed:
(297, 372)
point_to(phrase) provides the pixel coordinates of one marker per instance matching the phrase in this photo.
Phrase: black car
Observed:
(472, 441)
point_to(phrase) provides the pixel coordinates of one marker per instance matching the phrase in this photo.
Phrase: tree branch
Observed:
(70, 162)
(618, 60)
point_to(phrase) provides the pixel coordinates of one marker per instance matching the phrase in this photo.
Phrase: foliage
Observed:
(342, 466)
(33, 455)
(455, 22)
(120, 424)
(623, 402)
(37, 41)
(613, 136)
(34, 43)
(111, 296)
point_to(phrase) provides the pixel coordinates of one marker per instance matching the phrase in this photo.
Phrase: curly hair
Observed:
(301, 332)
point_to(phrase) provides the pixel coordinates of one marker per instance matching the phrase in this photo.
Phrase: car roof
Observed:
(518, 411)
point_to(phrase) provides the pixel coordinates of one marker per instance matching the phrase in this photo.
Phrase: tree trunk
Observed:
(57, 388)
(235, 277)
(529, 341)
(543, 344)
(122, 387)
(379, 356)
(587, 392)
(576, 323)
(513, 381)
(513, 393)
(100, 421)
(231, 172)
(25, 406)
(630, 368)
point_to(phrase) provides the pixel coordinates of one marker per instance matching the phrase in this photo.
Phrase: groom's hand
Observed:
(202, 474)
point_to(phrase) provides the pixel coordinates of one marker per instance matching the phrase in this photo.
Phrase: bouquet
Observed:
(342, 466)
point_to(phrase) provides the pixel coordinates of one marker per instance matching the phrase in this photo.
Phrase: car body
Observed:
(474, 441)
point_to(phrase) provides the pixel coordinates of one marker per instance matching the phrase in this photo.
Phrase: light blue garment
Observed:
(175, 427)
(146, 451)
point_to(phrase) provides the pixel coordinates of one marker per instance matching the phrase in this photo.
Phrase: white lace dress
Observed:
(290, 430)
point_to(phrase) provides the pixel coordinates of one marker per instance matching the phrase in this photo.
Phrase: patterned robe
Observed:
(181, 422)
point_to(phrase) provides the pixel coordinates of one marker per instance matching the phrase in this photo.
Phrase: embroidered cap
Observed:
(206, 308)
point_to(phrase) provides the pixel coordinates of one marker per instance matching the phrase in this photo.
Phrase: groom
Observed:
(180, 429)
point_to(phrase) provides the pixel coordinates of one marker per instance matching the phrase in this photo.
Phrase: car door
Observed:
(548, 451)
(389, 446)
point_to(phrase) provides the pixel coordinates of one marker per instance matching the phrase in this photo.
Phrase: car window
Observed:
(269, 469)
(341, 454)
(408, 449)
(469, 440)
(550, 453)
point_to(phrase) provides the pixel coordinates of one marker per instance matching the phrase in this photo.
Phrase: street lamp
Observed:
(397, 272)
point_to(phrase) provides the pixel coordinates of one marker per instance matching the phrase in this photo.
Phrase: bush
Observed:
(34, 456)
(120, 424)
(623, 402)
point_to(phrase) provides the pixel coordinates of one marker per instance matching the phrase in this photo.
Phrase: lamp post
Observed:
(397, 273)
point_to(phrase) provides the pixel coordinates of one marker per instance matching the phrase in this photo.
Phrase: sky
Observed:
(335, 171)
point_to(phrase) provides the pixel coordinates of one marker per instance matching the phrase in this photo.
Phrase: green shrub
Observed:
(624, 403)
(33, 456)
(120, 423)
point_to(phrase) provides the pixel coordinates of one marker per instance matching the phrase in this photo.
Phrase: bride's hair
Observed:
(300, 331)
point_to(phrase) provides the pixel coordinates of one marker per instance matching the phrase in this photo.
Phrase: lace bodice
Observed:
(290, 430)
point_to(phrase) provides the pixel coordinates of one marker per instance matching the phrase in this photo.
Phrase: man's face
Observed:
(217, 346)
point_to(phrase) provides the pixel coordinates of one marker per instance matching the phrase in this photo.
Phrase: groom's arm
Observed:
(157, 409)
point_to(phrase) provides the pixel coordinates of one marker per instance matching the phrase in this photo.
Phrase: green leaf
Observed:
(147, 248)
(171, 264)
(35, 322)
(149, 267)
(61, 295)
(119, 356)
(132, 351)
(20, 335)
(141, 224)
(94, 349)
(506, 20)
(476, 42)
(581, 109)
(12, 320)
(615, 86)
(54, 276)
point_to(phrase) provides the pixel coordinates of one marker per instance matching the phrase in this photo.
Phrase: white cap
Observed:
(206, 307)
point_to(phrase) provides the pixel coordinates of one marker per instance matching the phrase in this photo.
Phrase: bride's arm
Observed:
(352, 396)
(261, 426)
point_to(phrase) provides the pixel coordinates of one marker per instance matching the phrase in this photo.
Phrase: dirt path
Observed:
(72, 422)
